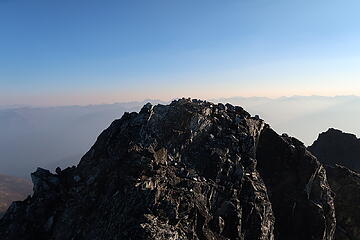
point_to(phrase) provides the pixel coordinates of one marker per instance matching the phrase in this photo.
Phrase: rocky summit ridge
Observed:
(188, 170)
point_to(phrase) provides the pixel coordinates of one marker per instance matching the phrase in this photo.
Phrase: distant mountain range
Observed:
(47, 137)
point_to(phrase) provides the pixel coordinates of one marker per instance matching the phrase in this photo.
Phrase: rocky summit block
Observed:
(188, 170)
(336, 147)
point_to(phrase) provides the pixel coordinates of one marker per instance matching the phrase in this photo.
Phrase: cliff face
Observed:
(336, 147)
(339, 151)
(298, 189)
(346, 185)
(188, 170)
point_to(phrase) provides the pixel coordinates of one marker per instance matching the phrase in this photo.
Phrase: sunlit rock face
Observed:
(188, 170)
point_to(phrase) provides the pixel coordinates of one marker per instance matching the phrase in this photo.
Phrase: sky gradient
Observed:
(91, 51)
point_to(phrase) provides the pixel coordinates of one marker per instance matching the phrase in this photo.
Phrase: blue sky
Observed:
(95, 51)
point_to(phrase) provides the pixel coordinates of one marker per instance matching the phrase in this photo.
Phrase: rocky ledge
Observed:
(188, 170)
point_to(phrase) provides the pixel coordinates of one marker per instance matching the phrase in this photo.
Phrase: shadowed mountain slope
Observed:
(339, 151)
(336, 147)
(346, 186)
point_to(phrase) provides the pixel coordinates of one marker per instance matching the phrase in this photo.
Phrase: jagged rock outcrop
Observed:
(188, 170)
(301, 199)
(339, 151)
(336, 147)
(346, 185)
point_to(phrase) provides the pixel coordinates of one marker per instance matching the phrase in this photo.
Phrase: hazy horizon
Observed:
(212, 99)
